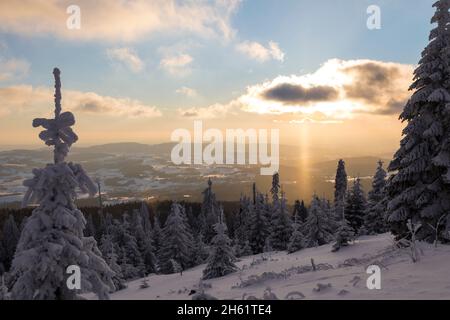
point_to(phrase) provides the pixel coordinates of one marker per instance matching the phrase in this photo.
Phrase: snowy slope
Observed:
(344, 270)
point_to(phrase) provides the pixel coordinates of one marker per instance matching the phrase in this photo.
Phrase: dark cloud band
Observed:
(295, 94)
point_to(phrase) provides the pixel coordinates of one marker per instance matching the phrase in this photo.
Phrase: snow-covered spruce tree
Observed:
(4, 294)
(317, 229)
(156, 236)
(106, 223)
(2, 258)
(144, 243)
(108, 250)
(281, 226)
(242, 226)
(129, 256)
(220, 261)
(275, 191)
(259, 226)
(268, 213)
(89, 231)
(300, 212)
(446, 232)
(200, 251)
(209, 212)
(53, 238)
(355, 206)
(420, 188)
(329, 213)
(177, 241)
(297, 240)
(125, 243)
(344, 234)
(129, 271)
(242, 249)
(374, 219)
(101, 224)
(145, 217)
(10, 238)
(340, 189)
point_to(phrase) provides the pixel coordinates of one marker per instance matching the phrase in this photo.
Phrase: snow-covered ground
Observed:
(342, 275)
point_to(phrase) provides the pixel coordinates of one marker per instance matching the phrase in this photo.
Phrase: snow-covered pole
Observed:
(56, 74)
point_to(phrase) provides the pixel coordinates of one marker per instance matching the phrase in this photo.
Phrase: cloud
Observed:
(23, 97)
(188, 92)
(296, 93)
(128, 57)
(177, 65)
(13, 68)
(258, 52)
(106, 20)
(338, 90)
(375, 83)
(10, 67)
(17, 98)
(309, 120)
(89, 102)
(214, 111)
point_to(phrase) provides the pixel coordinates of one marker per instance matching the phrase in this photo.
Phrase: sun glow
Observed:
(304, 159)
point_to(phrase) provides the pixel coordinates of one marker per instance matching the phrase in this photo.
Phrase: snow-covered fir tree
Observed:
(2, 258)
(129, 271)
(355, 206)
(130, 258)
(106, 223)
(242, 226)
(374, 219)
(242, 249)
(275, 190)
(209, 212)
(52, 238)
(200, 251)
(144, 242)
(317, 229)
(157, 236)
(89, 231)
(108, 250)
(340, 189)
(10, 238)
(329, 212)
(177, 241)
(344, 234)
(300, 212)
(102, 223)
(420, 187)
(259, 226)
(268, 246)
(268, 213)
(4, 293)
(281, 227)
(145, 218)
(297, 240)
(220, 261)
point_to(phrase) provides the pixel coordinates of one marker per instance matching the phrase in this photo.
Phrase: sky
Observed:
(137, 70)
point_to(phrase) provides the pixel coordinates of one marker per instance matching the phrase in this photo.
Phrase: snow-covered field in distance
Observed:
(342, 275)
(131, 171)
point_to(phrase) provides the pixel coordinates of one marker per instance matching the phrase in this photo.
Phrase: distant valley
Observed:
(133, 171)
